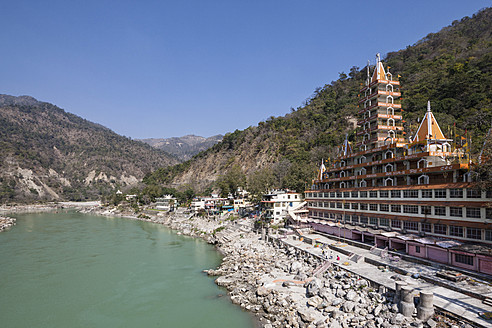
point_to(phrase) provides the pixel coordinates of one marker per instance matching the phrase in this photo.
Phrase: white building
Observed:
(166, 203)
(277, 203)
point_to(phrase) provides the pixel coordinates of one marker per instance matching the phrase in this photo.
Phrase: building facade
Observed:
(412, 194)
(276, 204)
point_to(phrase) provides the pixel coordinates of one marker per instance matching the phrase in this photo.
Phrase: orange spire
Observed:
(379, 73)
(429, 128)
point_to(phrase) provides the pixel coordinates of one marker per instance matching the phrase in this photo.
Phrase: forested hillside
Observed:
(452, 68)
(47, 153)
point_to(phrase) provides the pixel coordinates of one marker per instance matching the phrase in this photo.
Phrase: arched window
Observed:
(391, 133)
(363, 183)
(388, 168)
(342, 184)
(389, 76)
(327, 186)
(391, 122)
(467, 177)
(363, 171)
(362, 159)
(446, 147)
(342, 174)
(422, 163)
(389, 99)
(423, 179)
(342, 163)
(388, 182)
(390, 111)
(389, 154)
(389, 87)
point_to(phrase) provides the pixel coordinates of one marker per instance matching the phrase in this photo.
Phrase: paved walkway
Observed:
(444, 298)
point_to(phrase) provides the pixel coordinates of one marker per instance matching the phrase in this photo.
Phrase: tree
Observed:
(260, 182)
(231, 181)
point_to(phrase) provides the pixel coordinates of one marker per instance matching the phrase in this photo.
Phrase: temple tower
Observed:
(380, 118)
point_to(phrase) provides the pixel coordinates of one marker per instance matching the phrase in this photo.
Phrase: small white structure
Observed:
(198, 204)
(277, 203)
(166, 203)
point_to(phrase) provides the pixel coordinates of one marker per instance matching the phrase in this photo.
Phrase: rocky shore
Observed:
(6, 222)
(276, 282)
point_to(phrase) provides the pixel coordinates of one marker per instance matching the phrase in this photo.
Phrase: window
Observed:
(339, 194)
(363, 219)
(410, 225)
(473, 193)
(384, 207)
(456, 211)
(346, 206)
(426, 227)
(384, 194)
(355, 206)
(373, 194)
(373, 207)
(332, 205)
(326, 204)
(332, 194)
(473, 212)
(440, 210)
(488, 213)
(410, 193)
(346, 194)
(383, 222)
(396, 224)
(355, 218)
(363, 206)
(426, 193)
(426, 210)
(417, 249)
(395, 193)
(363, 194)
(456, 193)
(488, 234)
(339, 205)
(465, 259)
(326, 195)
(373, 221)
(439, 193)
(413, 209)
(396, 208)
(440, 229)
(473, 233)
(456, 231)
(355, 194)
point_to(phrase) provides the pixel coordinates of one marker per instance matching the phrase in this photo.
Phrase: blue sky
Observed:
(170, 68)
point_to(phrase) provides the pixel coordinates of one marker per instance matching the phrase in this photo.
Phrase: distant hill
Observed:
(47, 153)
(452, 68)
(185, 147)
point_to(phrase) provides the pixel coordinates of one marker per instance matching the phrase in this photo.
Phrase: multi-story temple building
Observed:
(413, 194)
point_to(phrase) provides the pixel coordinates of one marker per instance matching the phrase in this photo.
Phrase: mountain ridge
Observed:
(50, 154)
(185, 147)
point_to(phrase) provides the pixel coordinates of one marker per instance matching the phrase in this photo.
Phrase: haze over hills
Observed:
(47, 153)
(452, 68)
(184, 147)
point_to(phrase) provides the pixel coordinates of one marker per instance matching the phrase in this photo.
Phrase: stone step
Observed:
(488, 301)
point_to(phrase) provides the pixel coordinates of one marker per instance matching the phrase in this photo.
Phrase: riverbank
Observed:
(275, 282)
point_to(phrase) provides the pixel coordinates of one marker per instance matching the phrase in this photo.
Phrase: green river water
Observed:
(76, 270)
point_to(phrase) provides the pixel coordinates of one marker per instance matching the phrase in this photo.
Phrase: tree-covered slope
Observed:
(452, 68)
(47, 153)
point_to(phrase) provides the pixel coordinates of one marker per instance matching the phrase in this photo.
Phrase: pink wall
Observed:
(463, 265)
(484, 264)
(437, 254)
(412, 250)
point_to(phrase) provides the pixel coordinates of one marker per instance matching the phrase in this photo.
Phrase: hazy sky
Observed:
(170, 68)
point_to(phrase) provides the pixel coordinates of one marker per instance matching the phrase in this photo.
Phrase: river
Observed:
(77, 270)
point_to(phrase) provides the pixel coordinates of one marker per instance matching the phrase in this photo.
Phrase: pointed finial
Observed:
(378, 57)
(428, 105)
(368, 64)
